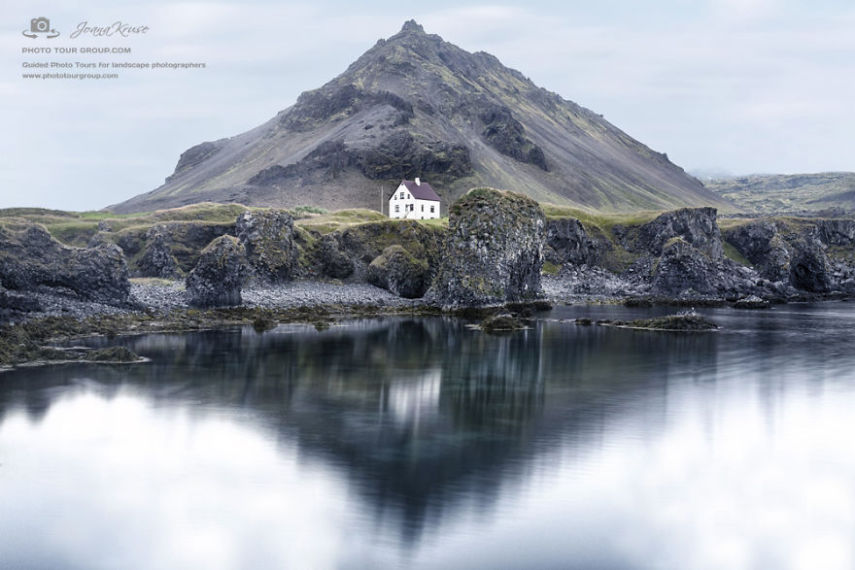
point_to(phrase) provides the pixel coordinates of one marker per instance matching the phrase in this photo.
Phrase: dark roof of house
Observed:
(422, 192)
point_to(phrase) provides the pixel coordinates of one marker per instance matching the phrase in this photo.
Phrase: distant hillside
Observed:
(415, 105)
(795, 194)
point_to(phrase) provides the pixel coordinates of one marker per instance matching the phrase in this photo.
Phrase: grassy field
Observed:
(76, 228)
(780, 194)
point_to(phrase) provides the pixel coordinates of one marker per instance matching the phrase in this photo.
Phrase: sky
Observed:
(723, 86)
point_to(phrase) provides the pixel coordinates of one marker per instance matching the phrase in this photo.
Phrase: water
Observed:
(419, 443)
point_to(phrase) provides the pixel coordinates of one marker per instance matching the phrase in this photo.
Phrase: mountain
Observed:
(829, 192)
(415, 105)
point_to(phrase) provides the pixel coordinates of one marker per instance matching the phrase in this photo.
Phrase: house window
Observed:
(402, 195)
(431, 209)
(397, 208)
(423, 207)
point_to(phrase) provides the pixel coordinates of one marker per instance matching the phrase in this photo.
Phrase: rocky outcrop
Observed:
(267, 237)
(809, 268)
(156, 259)
(397, 271)
(695, 226)
(568, 241)
(493, 252)
(331, 260)
(185, 240)
(762, 245)
(348, 253)
(31, 258)
(684, 268)
(219, 274)
(507, 135)
(836, 232)
(794, 256)
(196, 155)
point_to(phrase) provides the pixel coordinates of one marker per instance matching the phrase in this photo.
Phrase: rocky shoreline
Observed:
(499, 249)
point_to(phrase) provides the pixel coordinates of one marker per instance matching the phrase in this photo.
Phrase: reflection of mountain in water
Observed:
(417, 413)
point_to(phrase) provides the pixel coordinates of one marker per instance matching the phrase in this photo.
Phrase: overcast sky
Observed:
(740, 86)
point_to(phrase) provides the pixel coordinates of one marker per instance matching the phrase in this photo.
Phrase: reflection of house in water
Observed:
(412, 400)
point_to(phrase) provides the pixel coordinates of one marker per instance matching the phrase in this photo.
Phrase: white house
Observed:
(414, 200)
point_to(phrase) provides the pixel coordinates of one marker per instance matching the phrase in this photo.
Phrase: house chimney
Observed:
(418, 182)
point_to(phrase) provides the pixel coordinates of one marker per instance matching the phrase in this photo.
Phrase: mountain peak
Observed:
(416, 105)
(412, 27)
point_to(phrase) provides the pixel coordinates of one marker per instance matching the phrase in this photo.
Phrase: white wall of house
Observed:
(402, 204)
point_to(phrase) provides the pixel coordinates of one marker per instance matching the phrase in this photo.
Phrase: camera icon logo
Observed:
(40, 27)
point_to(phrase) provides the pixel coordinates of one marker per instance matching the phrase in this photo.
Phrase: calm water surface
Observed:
(419, 443)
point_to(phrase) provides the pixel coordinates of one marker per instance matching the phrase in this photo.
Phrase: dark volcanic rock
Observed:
(761, 244)
(568, 242)
(332, 261)
(185, 240)
(682, 322)
(99, 273)
(315, 107)
(347, 253)
(330, 157)
(493, 252)
(32, 258)
(397, 271)
(13, 305)
(695, 226)
(797, 256)
(809, 268)
(507, 135)
(398, 155)
(268, 240)
(682, 268)
(836, 232)
(219, 274)
(157, 259)
(401, 155)
(194, 156)
(502, 323)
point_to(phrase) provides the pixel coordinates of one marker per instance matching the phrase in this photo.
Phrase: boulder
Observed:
(332, 261)
(219, 274)
(809, 268)
(502, 323)
(493, 252)
(156, 259)
(683, 268)
(99, 273)
(397, 271)
(31, 258)
(268, 239)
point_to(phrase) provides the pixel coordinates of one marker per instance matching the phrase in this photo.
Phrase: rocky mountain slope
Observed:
(828, 192)
(415, 105)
